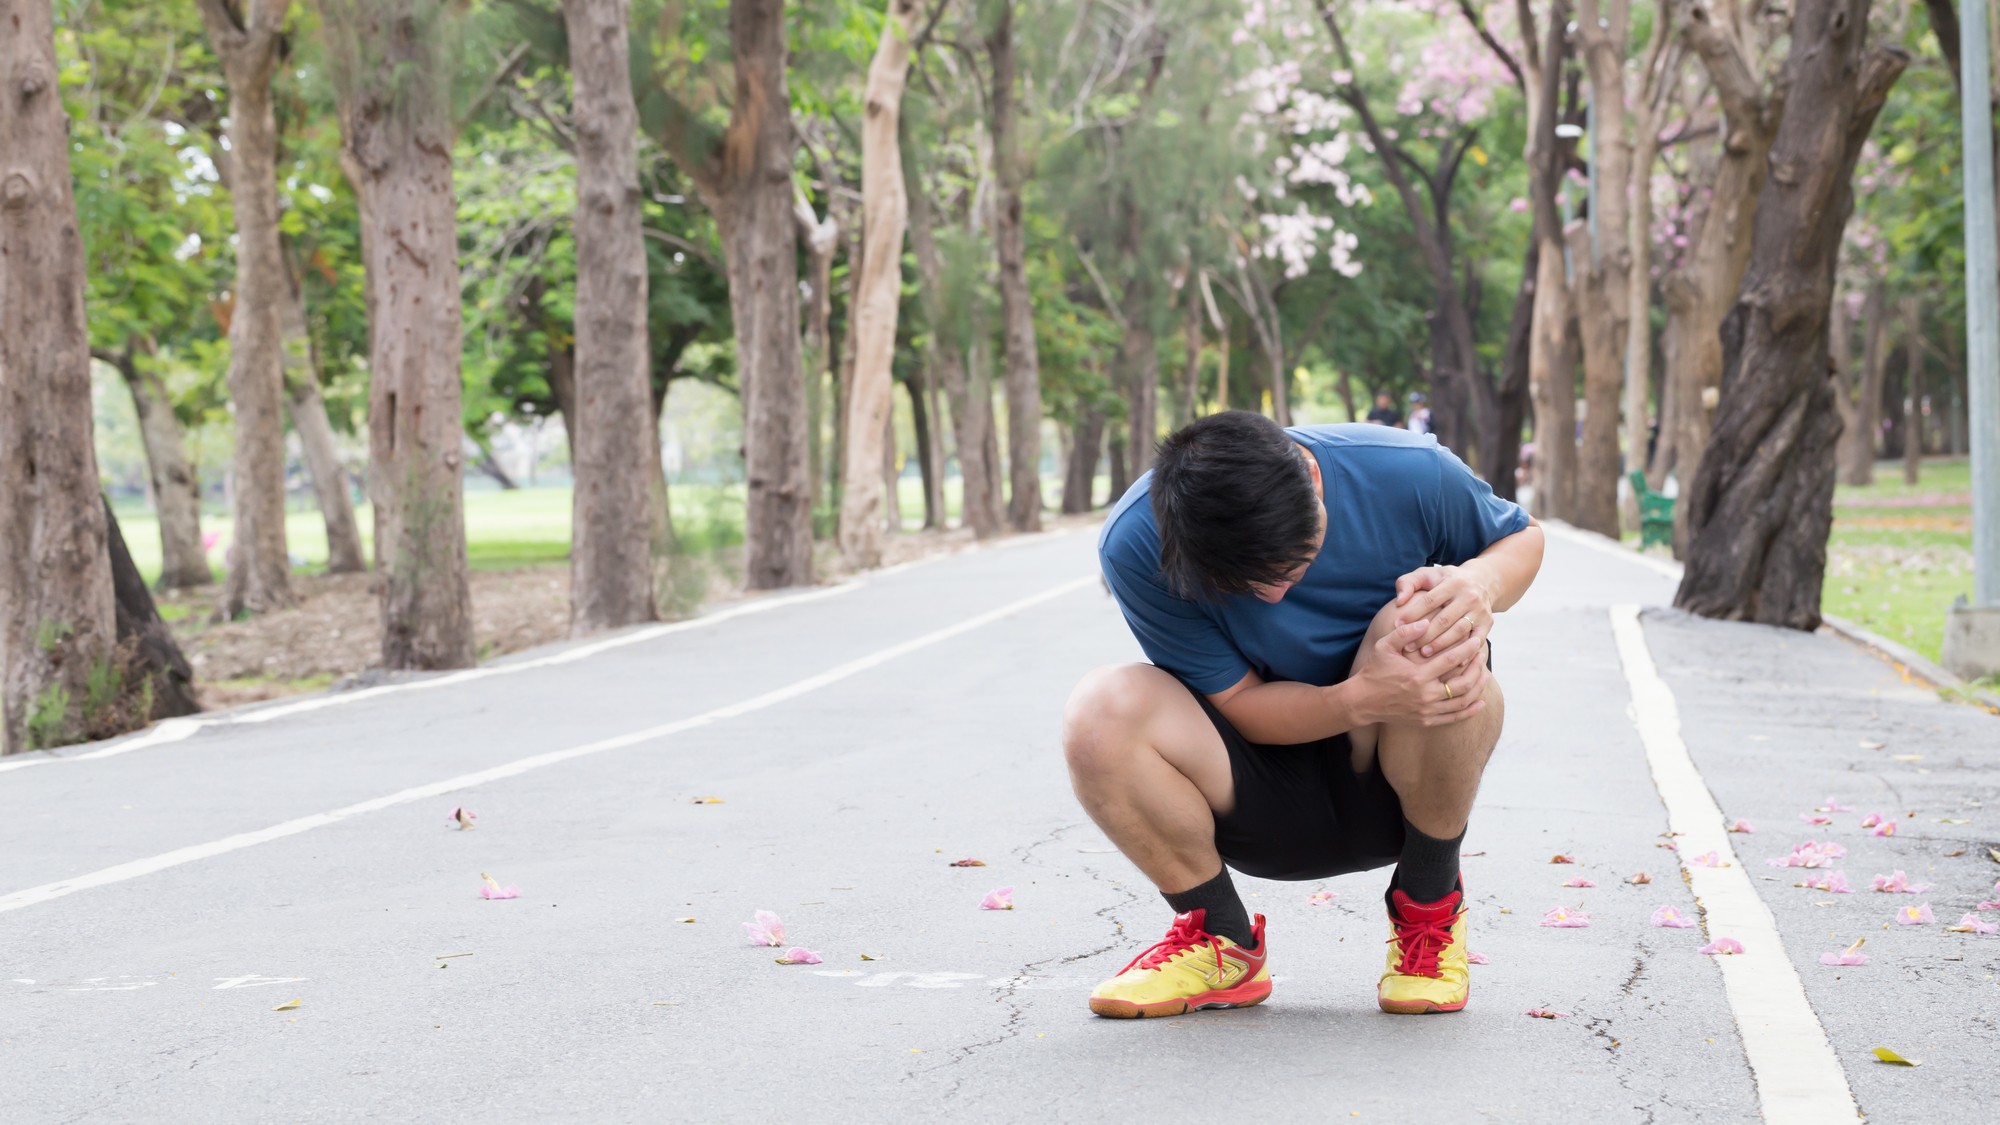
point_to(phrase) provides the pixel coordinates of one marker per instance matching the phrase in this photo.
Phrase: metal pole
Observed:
(1982, 303)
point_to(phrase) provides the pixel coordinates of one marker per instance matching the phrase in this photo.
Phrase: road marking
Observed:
(117, 874)
(1799, 1079)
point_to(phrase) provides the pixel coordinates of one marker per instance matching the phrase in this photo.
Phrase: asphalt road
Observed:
(158, 907)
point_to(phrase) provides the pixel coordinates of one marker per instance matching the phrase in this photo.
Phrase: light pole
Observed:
(1972, 630)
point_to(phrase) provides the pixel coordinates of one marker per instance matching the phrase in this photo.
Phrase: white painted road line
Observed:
(48, 892)
(1798, 1077)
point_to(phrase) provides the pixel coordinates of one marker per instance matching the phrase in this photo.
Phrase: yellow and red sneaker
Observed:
(1427, 969)
(1188, 969)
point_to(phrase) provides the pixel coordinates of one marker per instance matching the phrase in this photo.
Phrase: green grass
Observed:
(1895, 566)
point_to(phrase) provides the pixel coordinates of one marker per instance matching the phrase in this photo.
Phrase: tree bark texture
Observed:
(396, 144)
(1023, 380)
(611, 571)
(1913, 389)
(1701, 291)
(1604, 266)
(1139, 362)
(248, 38)
(1503, 444)
(878, 294)
(1762, 501)
(971, 414)
(147, 647)
(176, 493)
(1657, 82)
(819, 239)
(316, 441)
(1551, 383)
(1857, 440)
(1086, 446)
(56, 607)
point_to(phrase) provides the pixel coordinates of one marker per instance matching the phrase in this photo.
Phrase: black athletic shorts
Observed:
(1304, 812)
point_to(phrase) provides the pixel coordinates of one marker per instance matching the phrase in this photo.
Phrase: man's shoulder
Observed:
(1362, 443)
(1129, 535)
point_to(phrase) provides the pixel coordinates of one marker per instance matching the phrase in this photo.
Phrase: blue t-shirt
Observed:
(1395, 501)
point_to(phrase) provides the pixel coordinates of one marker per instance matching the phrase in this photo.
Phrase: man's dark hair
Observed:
(1235, 506)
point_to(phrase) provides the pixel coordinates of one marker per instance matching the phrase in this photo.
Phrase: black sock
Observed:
(1428, 870)
(1226, 915)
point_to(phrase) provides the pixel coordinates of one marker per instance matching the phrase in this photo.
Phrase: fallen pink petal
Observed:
(1563, 918)
(463, 818)
(1899, 884)
(1670, 918)
(799, 955)
(489, 888)
(1810, 854)
(1833, 883)
(1833, 805)
(1970, 924)
(768, 929)
(1742, 826)
(1872, 819)
(1001, 899)
(1545, 1014)
(1989, 904)
(1886, 828)
(1482, 959)
(1815, 818)
(1852, 955)
(1707, 859)
(1579, 882)
(1722, 946)
(1918, 915)
(1321, 898)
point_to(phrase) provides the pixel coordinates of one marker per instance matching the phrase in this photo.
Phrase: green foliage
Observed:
(49, 720)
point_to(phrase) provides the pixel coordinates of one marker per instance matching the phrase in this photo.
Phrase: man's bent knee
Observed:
(1105, 718)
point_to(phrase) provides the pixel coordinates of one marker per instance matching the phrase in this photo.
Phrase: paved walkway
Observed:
(158, 906)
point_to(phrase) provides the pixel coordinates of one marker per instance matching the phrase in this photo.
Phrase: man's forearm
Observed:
(1508, 567)
(1284, 714)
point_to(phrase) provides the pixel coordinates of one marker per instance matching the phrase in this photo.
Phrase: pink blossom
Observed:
(1001, 899)
(1563, 918)
(462, 817)
(1872, 819)
(1833, 803)
(491, 889)
(1833, 883)
(768, 929)
(1545, 1014)
(1886, 828)
(1321, 898)
(1852, 955)
(1899, 884)
(1721, 946)
(1707, 859)
(1517, 204)
(1579, 881)
(1669, 918)
(1477, 959)
(1810, 854)
(1970, 924)
(1918, 915)
(1742, 826)
(799, 955)
(1815, 818)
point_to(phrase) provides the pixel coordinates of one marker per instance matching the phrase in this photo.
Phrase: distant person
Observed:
(1420, 414)
(1342, 728)
(1385, 412)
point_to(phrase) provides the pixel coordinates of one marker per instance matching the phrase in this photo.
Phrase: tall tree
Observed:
(56, 607)
(1551, 379)
(315, 430)
(878, 291)
(176, 493)
(248, 36)
(611, 574)
(390, 75)
(1762, 501)
(744, 174)
(1023, 377)
(1604, 265)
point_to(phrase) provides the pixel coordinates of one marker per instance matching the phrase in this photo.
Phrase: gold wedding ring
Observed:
(1447, 691)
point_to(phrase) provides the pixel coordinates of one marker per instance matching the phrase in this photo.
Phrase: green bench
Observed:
(1656, 514)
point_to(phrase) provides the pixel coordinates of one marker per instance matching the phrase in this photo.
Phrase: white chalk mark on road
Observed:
(120, 873)
(1799, 1079)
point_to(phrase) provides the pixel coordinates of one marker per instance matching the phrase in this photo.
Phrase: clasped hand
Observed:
(1429, 670)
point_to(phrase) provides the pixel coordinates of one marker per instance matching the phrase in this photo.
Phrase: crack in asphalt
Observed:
(1011, 1026)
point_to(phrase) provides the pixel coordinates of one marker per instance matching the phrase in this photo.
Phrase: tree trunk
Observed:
(1121, 475)
(819, 240)
(1762, 501)
(249, 45)
(1857, 444)
(1913, 390)
(176, 493)
(611, 568)
(971, 419)
(1503, 445)
(1606, 263)
(1551, 384)
(878, 294)
(1139, 357)
(147, 647)
(395, 124)
(56, 606)
(928, 462)
(322, 454)
(1189, 408)
(1080, 473)
(1221, 371)
(1023, 379)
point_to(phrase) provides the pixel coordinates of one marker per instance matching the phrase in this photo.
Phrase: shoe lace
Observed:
(1181, 937)
(1421, 942)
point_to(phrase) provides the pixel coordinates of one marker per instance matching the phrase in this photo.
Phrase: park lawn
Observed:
(1899, 554)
